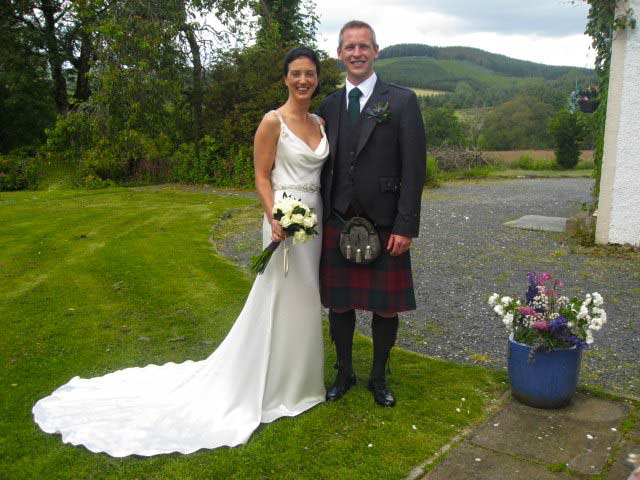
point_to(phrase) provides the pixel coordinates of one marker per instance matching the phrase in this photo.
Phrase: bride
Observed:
(270, 364)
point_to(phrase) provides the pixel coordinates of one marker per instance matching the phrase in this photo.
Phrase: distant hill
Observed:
(494, 78)
(491, 61)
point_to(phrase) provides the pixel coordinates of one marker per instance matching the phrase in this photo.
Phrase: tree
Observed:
(517, 124)
(191, 26)
(46, 20)
(25, 111)
(567, 131)
(474, 122)
(295, 21)
(442, 127)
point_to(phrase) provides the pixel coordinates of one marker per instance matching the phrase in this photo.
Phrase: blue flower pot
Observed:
(549, 381)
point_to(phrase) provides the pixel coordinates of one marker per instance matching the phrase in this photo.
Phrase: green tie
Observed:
(354, 105)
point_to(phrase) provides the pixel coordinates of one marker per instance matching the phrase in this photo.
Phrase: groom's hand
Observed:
(398, 244)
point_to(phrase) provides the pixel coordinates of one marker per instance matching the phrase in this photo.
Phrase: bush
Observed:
(432, 171)
(70, 138)
(567, 132)
(585, 165)
(91, 182)
(525, 162)
(19, 172)
(213, 164)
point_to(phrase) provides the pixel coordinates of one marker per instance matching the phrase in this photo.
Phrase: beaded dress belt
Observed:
(304, 187)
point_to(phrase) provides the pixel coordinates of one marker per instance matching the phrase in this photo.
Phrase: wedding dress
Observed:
(270, 364)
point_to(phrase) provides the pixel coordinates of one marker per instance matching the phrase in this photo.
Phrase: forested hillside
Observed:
(476, 78)
(492, 61)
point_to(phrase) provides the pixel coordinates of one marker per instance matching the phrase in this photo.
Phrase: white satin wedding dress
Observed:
(270, 364)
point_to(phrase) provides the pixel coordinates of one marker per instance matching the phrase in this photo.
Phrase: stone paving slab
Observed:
(521, 442)
(469, 462)
(580, 435)
(621, 469)
(539, 222)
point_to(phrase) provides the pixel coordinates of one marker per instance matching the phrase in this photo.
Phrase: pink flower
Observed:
(542, 326)
(543, 278)
(559, 283)
(526, 311)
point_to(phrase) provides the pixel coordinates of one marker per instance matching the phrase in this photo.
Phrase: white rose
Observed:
(297, 218)
(492, 299)
(285, 221)
(584, 311)
(508, 319)
(308, 222)
(506, 300)
(499, 309)
(597, 299)
(299, 236)
(288, 204)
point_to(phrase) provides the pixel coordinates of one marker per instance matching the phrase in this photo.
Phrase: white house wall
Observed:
(619, 203)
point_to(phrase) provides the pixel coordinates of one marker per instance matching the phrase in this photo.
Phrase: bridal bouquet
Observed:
(548, 320)
(297, 220)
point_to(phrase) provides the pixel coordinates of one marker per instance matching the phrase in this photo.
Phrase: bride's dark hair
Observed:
(303, 52)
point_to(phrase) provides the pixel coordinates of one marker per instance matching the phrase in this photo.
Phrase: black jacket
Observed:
(390, 158)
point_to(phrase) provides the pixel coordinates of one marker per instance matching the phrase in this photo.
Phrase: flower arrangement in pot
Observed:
(548, 333)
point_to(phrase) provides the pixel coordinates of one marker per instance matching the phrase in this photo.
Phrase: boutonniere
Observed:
(379, 112)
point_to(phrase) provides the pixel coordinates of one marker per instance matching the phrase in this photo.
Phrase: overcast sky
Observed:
(545, 31)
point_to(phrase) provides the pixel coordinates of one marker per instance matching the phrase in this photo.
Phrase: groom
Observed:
(376, 170)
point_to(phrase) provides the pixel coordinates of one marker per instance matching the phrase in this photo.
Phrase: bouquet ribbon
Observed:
(286, 257)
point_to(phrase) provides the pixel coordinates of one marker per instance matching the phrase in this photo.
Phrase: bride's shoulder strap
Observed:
(318, 119)
(277, 114)
(271, 114)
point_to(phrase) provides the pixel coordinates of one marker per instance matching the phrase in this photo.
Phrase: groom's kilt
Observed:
(384, 286)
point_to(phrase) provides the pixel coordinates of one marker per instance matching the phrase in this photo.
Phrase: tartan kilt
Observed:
(384, 286)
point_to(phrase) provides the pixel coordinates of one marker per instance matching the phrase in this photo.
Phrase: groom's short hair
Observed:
(357, 24)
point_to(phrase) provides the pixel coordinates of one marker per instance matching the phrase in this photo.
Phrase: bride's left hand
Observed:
(277, 232)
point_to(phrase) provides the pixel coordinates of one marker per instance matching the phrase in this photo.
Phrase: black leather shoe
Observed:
(340, 387)
(381, 393)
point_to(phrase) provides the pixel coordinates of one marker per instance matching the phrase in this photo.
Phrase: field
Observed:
(510, 156)
(425, 92)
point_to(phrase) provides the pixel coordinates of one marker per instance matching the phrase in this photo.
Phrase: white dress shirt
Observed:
(365, 87)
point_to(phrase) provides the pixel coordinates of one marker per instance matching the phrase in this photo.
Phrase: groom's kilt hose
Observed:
(384, 286)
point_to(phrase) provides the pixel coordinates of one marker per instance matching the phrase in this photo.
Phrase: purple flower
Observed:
(561, 331)
(532, 291)
(558, 325)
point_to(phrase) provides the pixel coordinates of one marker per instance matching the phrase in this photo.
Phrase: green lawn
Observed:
(95, 281)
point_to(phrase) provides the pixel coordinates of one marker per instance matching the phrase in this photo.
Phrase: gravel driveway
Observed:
(464, 254)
